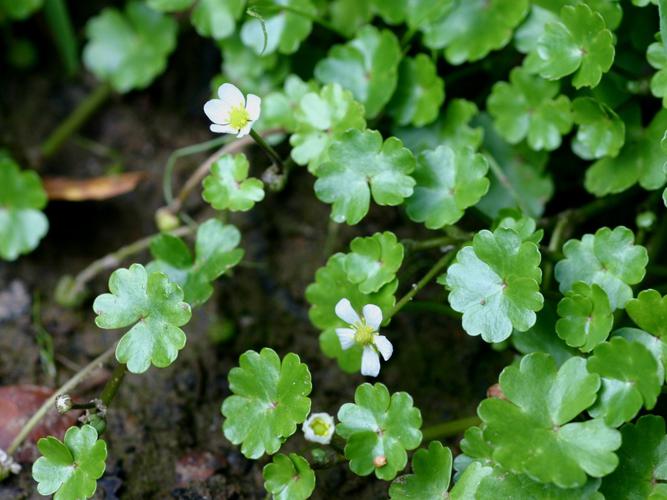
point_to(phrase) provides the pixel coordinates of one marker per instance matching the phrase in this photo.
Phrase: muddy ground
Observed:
(165, 426)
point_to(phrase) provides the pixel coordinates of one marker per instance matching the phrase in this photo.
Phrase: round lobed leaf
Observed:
(154, 306)
(448, 182)
(289, 477)
(367, 66)
(279, 107)
(586, 316)
(431, 472)
(657, 57)
(361, 165)
(609, 259)
(601, 131)
(228, 186)
(69, 469)
(527, 107)
(495, 284)
(649, 312)
(373, 261)
(269, 398)
(129, 50)
(22, 224)
(379, 428)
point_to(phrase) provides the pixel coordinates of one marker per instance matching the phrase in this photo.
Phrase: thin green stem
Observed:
(416, 246)
(111, 388)
(555, 243)
(432, 273)
(64, 389)
(57, 16)
(449, 429)
(75, 120)
(268, 149)
(432, 307)
(193, 149)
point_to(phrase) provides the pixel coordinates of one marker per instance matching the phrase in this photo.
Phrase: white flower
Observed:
(364, 331)
(232, 113)
(319, 428)
(7, 465)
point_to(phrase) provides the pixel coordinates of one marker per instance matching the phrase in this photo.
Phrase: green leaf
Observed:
(289, 477)
(586, 316)
(70, 469)
(431, 469)
(129, 50)
(154, 306)
(631, 377)
(578, 43)
(520, 179)
(656, 346)
(331, 285)
(367, 66)
(657, 57)
(601, 131)
(643, 462)
(495, 283)
(379, 428)
(269, 398)
(217, 18)
(527, 107)
(448, 182)
(641, 160)
(279, 107)
(169, 5)
(450, 129)
(419, 94)
(609, 259)
(473, 28)
(529, 33)
(321, 118)
(228, 186)
(347, 16)
(215, 254)
(531, 430)
(373, 261)
(649, 312)
(361, 165)
(417, 14)
(22, 224)
(19, 9)
(285, 28)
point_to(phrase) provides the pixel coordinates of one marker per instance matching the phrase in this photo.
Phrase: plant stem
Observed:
(64, 389)
(437, 267)
(449, 429)
(432, 307)
(57, 16)
(75, 120)
(115, 258)
(111, 387)
(270, 152)
(554, 246)
(167, 179)
(416, 246)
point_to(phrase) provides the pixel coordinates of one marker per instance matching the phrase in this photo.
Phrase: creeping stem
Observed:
(449, 429)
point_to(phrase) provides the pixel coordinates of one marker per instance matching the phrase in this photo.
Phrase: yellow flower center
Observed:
(320, 427)
(363, 333)
(238, 117)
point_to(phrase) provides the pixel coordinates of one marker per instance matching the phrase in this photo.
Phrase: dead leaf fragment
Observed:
(96, 188)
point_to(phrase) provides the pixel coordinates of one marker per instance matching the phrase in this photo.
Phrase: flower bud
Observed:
(63, 403)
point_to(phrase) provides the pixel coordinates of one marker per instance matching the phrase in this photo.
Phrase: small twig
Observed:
(64, 389)
(449, 429)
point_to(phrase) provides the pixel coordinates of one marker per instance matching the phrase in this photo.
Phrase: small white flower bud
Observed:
(63, 403)
(319, 428)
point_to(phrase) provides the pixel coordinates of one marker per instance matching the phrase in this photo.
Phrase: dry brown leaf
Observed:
(97, 188)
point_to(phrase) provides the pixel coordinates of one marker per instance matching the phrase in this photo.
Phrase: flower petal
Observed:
(370, 362)
(245, 130)
(384, 346)
(373, 316)
(345, 337)
(222, 129)
(231, 95)
(217, 111)
(253, 106)
(346, 312)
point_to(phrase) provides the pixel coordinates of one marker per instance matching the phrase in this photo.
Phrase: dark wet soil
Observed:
(164, 433)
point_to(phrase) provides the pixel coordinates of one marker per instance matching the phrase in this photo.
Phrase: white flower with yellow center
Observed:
(232, 113)
(319, 428)
(364, 332)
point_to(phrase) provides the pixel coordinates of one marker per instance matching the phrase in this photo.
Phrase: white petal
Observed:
(373, 316)
(310, 435)
(245, 130)
(217, 111)
(253, 106)
(346, 312)
(370, 362)
(222, 129)
(231, 95)
(345, 337)
(384, 346)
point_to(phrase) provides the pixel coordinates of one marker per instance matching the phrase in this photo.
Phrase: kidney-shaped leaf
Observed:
(431, 473)
(586, 316)
(228, 186)
(649, 312)
(269, 398)
(601, 131)
(289, 477)
(373, 261)
(154, 306)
